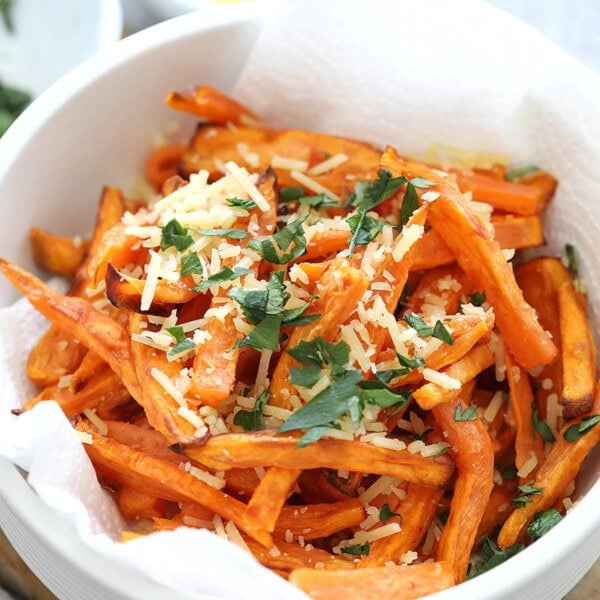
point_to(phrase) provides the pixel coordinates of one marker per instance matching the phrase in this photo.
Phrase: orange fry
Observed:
(58, 254)
(471, 448)
(482, 260)
(245, 450)
(406, 582)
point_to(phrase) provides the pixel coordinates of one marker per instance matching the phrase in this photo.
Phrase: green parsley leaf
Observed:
(175, 234)
(305, 376)
(443, 516)
(574, 432)
(423, 330)
(386, 513)
(376, 392)
(234, 234)
(521, 172)
(541, 426)
(390, 374)
(264, 336)
(318, 201)
(12, 103)
(508, 472)
(526, 495)
(543, 522)
(423, 436)
(441, 333)
(477, 298)
(328, 405)
(191, 265)
(292, 192)
(313, 434)
(246, 203)
(411, 363)
(252, 420)
(286, 245)
(410, 203)
(256, 304)
(572, 260)
(182, 343)
(492, 556)
(468, 414)
(364, 229)
(357, 549)
(421, 182)
(320, 353)
(368, 195)
(225, 274)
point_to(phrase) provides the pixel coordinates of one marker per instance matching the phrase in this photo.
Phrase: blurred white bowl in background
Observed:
(50, 38)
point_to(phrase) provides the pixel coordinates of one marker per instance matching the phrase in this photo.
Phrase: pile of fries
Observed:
(328, 354)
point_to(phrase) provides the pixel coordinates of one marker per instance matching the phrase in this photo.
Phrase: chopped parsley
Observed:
(292, 192)
(224, 274)
(492, 556)
(410, 203)
(387, 513)
(423, 435)
(543, 522)
(175, 234)
(577, 430)
(423, 330)
(377, 392)
(526, 495)
(12, 103)
(282, 247)
(252, 420)
(364, 229)
(508, 472)
(320, 353)
(541, 426)
(265, 310)
(468, 414)
(182, 343)
(521, 172)
(191, 265)
(246, 203)
(305, 376)
(235, 234)
(357, 549)
(572, 260)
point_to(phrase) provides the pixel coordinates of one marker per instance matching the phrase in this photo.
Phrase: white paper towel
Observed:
(408, 73)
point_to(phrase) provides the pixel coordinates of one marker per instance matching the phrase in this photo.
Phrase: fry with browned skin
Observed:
(244, 450)
(57, 254)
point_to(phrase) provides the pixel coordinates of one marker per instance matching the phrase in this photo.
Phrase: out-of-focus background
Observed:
(69, 31)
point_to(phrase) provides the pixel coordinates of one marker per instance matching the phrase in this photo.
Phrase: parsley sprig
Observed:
(288, 244)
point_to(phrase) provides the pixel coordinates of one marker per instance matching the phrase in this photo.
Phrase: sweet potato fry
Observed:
(510, 231)
(138, 506)
(481, 258)
(125, 465)
(94, 329)
(578, 354)
(406, 582)
(208, 103)
(314, 521)
(58, 254)
(472, 450)
(244, 450)
(265, 506)
(529, 445)
(422, 504)
(560, 468)
(163, 163)
(463, 370)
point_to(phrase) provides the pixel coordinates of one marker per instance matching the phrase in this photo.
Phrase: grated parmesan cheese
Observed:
(312, 185)
(328, 164)
(441, 379)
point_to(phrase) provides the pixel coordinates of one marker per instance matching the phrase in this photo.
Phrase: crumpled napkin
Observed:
(407, 73)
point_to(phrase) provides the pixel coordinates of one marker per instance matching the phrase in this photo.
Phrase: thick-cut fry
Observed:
(163, 164)
(510, 231)
(210, 104)
(265, 449)
(124, 465)
(578, 354)
(314, 521)
(529, 445)
(462, 371)
(481, 258)
(422, 504)
(58, 254)
(407, 582)
(265, 506)
(471, 448)
(552, 478)
(138, 506)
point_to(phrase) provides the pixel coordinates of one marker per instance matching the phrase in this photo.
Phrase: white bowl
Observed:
(92, 128)
(48, 41)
